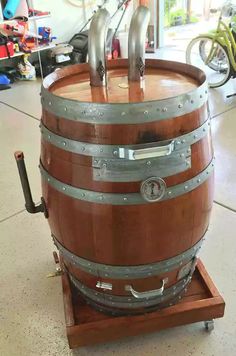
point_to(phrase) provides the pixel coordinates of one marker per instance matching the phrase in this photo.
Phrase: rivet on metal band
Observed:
(114, 151)
(126, 198)
(129, 272)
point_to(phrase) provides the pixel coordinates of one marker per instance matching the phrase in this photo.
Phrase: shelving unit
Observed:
(35, 18)
(32, 18)
(38, 49)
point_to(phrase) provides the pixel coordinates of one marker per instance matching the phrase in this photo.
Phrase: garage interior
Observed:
(31, 304)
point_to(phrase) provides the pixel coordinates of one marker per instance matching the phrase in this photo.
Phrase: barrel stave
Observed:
(113, 234)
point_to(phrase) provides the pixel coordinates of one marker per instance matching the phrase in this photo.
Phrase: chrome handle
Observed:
(147, 151)
(149, 294)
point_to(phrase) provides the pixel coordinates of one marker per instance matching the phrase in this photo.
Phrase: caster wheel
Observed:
(209, 325)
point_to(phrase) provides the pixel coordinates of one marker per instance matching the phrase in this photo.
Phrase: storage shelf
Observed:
(35, 18)
(37, 49)
(32, 18)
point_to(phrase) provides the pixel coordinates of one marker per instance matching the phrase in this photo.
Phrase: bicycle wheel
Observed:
(203, 51)
(217, 67)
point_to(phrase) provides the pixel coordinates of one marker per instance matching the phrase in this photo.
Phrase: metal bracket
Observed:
(141, 66)
(122, 170)
(101, 71)
(103, 285)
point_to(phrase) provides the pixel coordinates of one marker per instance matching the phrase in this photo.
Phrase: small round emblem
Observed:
(153, 189)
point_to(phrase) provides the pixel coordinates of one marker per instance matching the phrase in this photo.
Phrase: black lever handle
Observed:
(29, 203)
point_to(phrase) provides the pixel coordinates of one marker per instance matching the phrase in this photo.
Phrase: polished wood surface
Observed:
(126, 134)
(158, 84)
(129, 234)
(201, 302)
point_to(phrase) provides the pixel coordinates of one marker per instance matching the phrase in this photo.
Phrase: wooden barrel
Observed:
(127, 177)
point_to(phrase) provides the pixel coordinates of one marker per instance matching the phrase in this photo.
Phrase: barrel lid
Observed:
(157, 84)
(169, 89)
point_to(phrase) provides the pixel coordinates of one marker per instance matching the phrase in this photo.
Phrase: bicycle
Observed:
(215, 51)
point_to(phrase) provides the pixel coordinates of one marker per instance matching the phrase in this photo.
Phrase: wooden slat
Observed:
(207, 279)
(116, 328)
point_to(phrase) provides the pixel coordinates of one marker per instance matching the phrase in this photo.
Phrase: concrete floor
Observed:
(31, 309)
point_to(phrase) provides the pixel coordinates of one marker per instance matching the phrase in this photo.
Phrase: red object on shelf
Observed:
(7, 50)
(33, 12)
(115, 48)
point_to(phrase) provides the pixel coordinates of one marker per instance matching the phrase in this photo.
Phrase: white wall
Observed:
(67, 19)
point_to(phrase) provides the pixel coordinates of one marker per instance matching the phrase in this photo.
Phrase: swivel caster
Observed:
(209, 325)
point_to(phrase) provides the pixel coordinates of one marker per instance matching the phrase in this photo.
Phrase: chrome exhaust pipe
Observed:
(97, 47)
(137, 36)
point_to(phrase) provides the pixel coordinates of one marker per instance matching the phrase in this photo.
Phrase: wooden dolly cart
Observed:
(86, 326)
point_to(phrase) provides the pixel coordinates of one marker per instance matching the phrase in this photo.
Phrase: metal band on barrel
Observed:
(128, 302)
(129, 272)
(124, 113)
(110, 151)
(128, 198)
(126, 312)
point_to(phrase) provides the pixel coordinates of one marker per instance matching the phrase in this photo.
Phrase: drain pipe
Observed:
(137, 37)
(97, 48)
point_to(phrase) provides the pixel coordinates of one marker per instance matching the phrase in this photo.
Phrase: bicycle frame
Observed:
(224, 36)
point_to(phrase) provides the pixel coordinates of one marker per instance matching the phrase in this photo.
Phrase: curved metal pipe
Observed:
(137, 36)
(97, 47)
